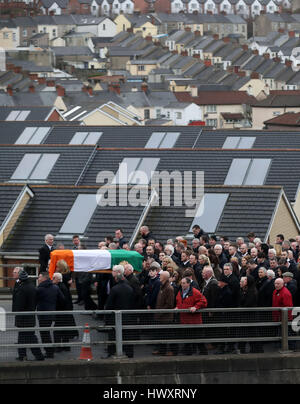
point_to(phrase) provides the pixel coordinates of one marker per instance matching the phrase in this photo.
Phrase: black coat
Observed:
(225, 298)
(24, 299)
(265, 292)
(292, 287)
(138, 294)
(234, 285)
(211, 292)
(44, 256)
(248, 298)
(121, 297)
(49, 296)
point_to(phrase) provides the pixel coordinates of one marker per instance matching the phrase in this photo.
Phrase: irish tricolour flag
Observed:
(94, 260)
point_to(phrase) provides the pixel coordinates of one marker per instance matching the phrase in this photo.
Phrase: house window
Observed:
(211, 108)
(54, 32)
(14, 37)
(158, 114)
(24, 32)
(5, 35)
(146, 114)
(103, 27)
(178, 115)
(211, 122)
(116, 5)
(141, 68)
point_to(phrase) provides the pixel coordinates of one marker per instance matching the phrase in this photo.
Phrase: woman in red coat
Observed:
(192, 299)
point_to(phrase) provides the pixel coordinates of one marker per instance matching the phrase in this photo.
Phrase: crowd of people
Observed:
(207, 272)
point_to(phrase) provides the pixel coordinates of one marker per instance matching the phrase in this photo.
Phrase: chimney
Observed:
(144, 87)
(207, 62)
(241, 73)
(10, 66)
(148, 38)
(31, 89)
(41, 80)
(117, 88)
(226, 39)
(9, 90)
(196, 56)
(254, 75)
(216, 36)
(130, 29)
(229, 69)
(84, 89)
(292, 34)
(255, 52)
(281, 30)
(197, 33)
(288, 63)
(33, 76)
(174, 52)
(17, 69)
(184, 53)
(50, 83)
(277, 59)
(245, 47)
(187, 29)
(266, 55)
(61, 92)
(90, 91)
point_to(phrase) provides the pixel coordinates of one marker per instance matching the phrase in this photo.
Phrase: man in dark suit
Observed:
(44, 252)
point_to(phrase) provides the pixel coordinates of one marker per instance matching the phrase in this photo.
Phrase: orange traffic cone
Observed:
(86, 350)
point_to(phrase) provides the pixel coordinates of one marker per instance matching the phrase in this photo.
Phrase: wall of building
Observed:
(283, 223)
(260, 115)
(272, 368)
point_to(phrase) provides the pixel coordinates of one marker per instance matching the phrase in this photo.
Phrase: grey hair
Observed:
(264, 269)
(58, 275)
(271, 273)
(48, 236)
(228, 265)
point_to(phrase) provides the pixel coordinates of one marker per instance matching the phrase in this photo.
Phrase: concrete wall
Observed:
(230, 369)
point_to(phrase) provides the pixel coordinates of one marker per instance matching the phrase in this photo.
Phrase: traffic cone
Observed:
(86, 350)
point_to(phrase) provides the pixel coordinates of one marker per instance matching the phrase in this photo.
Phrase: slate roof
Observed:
(66, 170)
(215, 163)
(36, 113)
(247, 209)
(39, 218)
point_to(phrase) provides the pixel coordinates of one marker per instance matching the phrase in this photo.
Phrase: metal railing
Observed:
(118, 330)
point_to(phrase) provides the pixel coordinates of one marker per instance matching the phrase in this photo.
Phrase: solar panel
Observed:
(231, 142)
(44, 166)
(26, 135)
(210, 211)
(155, 140)
(26, 166)
(144, 171)
(246, 142)
(257, 172)
(238, 142)
(79, 138)
(80, 214)
(22, 115)
(93, 138)
(169, 140)
(237, 172)
(39, 135)
(12, 116)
